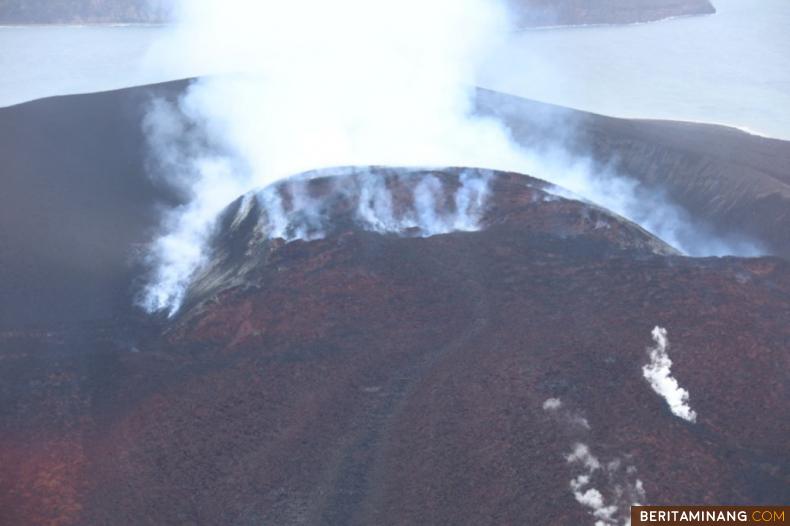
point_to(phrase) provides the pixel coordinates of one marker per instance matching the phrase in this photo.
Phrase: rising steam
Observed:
(606, 489)
(623, 487)
(293, 210)
(307, 84)
(659, 373)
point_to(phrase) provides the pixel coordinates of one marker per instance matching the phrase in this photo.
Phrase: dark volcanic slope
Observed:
(381, 379)
(75, 200)
(75, 203)
(582, 12)
(736, 182)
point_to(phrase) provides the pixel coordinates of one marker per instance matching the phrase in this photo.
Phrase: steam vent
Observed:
(409, 346)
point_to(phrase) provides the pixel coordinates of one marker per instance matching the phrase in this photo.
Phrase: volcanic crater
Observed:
(375, 376)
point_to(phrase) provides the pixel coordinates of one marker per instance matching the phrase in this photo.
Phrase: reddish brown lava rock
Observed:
(383, 379)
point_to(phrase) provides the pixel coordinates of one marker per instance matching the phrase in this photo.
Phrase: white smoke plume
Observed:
(580, 177)
(573, 418)
(659, 373)
(552, 404)
(623, 489)
(307, 84)
(607, 489)
(292, 212)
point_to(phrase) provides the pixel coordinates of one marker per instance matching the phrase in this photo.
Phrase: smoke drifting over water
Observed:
(307, 84)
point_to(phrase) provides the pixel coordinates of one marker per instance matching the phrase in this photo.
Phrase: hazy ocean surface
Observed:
(41, 61)
(731, 68)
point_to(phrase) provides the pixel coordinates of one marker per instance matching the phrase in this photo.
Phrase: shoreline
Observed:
(86, 24)
(519, 30)
(735, 127)
(613, 24)
(743, 129)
